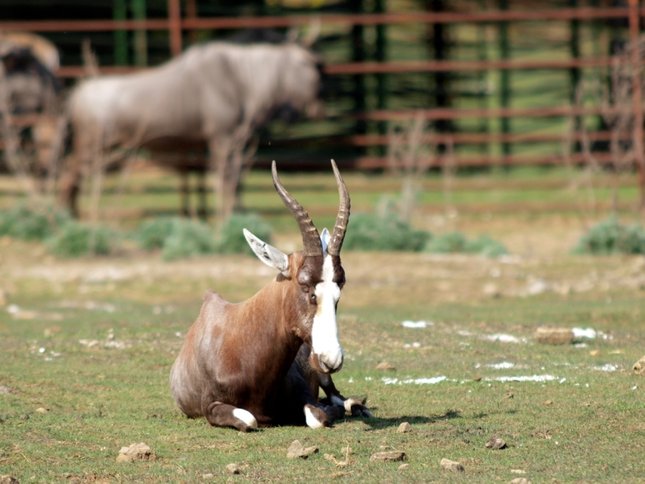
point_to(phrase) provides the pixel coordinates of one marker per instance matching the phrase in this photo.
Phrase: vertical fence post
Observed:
(482, 77)
(505, 82)
(380, 54)
(140, 36)
(358, 55)
(441, 78)
(191, 13)
(634, 34)
(574, 72)
(174, 26)
(119, 12)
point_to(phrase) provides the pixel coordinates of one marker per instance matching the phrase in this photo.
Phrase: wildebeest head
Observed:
(304, 86)
(30, 85)
(303, 72)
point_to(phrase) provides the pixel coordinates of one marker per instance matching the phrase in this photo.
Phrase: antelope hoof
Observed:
(246, 419)
(357, 407)
(316, 417)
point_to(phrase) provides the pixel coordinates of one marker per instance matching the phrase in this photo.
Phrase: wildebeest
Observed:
(262, 361)
(29, 81)
(214, 95)
(29, 101)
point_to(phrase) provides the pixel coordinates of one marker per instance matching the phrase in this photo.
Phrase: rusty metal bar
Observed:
(336, 19)
(460, 113)
(412, 66)
(367, 140)
(174, 26)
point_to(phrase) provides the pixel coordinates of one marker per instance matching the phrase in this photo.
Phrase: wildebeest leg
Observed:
(70, 185)
(220, 154)
(221, 414)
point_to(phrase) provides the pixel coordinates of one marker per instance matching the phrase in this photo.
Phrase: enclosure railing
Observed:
(372, 144)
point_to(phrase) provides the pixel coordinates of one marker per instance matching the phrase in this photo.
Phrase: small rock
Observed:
(385, 366)
(403, 467)
(451, 465)
(208, 476)
(491, 290)
(135, 452)
(548, 402)
(388, 456)
(42, 410)
(7, 479)
(537, 286)
(296, 449)
(404, 428)
(639, 366)
(554, 336)
(520, 480)
(495, 443)
(233, 468)
(4, 390)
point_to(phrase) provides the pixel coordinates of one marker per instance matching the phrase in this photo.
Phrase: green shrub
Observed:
(75, 239)
(188, 239)
(456, 242)
(487, 246)
(447, 243)
(372, 232)
(152, 234)
(231, 239)
(612, 237)
(27, 222)
(177, 237)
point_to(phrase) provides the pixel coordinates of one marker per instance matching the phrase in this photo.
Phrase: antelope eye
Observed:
(312, 298)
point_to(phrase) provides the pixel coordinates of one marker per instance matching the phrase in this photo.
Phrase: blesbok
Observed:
(262, 361)
(210, 99)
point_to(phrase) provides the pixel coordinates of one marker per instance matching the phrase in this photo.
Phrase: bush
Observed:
(447, 243)
(456, 242)
(75, 239)
(383, 232)
(176, 237)
(31, 223)
(231, 239)
(486, 246)
(612, 237)
(152, 234)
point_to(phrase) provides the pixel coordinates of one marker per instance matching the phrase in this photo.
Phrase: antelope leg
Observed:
(221, 414)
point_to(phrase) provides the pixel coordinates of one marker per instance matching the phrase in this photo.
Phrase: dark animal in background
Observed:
(29, 91)
(213, 96)
(262, 362)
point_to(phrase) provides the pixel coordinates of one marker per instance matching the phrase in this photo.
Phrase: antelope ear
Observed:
(325, 237)
(267, 253)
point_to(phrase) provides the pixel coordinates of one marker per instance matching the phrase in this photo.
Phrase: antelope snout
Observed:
(330, 362)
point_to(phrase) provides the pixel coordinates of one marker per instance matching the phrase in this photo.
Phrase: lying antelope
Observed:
(263, 361)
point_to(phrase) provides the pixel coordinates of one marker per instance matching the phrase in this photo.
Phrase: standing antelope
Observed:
(262, 361)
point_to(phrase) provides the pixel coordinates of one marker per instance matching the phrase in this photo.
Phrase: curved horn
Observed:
(310, 237)
(342, 219)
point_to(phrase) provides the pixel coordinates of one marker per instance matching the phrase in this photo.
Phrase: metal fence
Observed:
(494, 82)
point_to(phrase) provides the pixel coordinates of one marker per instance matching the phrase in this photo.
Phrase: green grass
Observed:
(585, 426)
(92, 341)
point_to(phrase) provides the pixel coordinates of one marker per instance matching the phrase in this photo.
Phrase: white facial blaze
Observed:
(324, 333)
